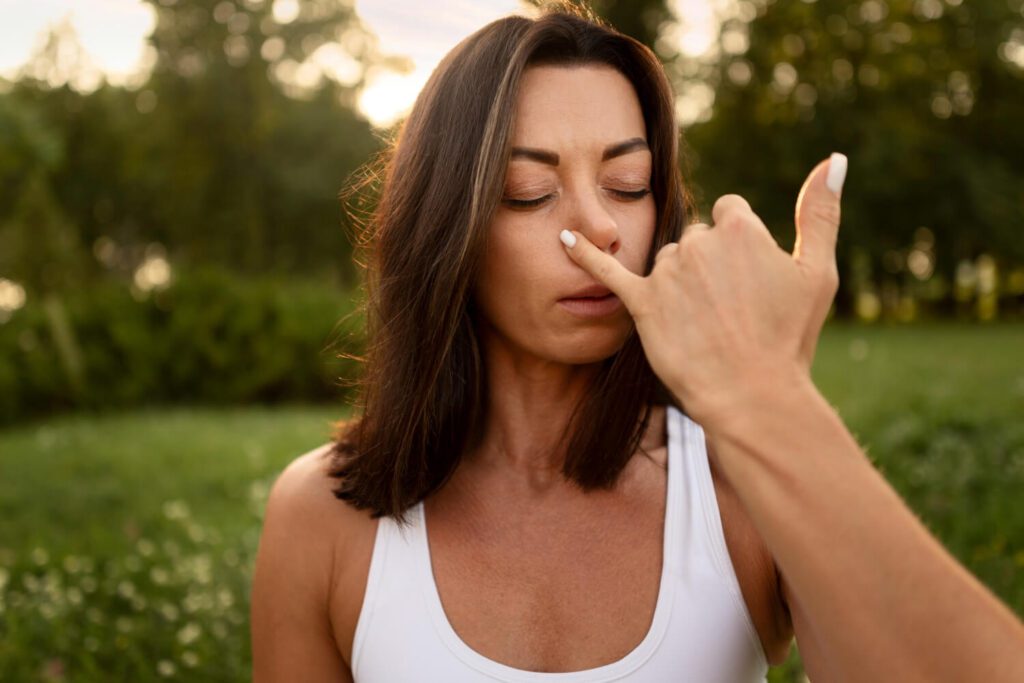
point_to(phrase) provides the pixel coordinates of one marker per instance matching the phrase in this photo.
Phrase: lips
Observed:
(591, 303)
(590, 292)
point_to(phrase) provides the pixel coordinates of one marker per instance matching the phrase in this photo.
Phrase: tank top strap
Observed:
(709, 500)
(677, 535)
(387, 583)
(705, 542)
(703, 534)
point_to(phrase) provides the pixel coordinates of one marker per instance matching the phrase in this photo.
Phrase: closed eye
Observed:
(527, 203)
(530, 203)
(635, 194)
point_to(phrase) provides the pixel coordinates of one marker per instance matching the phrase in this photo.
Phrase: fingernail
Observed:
(568, 239)
(836, 172)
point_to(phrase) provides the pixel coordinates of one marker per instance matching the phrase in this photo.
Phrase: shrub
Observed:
(210, 337)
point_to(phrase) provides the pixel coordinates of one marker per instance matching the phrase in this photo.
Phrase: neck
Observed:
(529, 402)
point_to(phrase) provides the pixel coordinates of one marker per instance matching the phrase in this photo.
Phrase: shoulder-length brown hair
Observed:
(422, 394)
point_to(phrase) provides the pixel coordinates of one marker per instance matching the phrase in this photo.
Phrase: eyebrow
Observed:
(546, 156)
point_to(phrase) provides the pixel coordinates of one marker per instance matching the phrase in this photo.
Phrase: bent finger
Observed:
(729, 203)
(666, 251)
(694, 228)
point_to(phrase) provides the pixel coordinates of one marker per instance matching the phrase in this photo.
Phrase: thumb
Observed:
(604, 267)
(818, 212)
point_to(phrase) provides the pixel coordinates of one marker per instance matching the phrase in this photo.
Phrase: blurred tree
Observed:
(233, 151)
(644, 20)
(925, 97)
(640, 19)
(41, 247)
(244, 123)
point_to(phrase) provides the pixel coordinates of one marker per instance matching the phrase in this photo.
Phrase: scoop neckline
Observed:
(606, 672)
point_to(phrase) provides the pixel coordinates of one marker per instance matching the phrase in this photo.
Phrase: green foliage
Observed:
(923, 97)
(165, 508)
(170, 502)
(640, 19)
(222, 157)
(208, 337)
(38, 245)
(215, 156)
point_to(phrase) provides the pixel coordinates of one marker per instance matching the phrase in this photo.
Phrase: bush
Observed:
(210, 337)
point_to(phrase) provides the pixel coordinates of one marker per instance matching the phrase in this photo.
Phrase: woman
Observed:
(626, 476)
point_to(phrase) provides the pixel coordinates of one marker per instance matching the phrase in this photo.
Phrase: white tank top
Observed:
(701, 630)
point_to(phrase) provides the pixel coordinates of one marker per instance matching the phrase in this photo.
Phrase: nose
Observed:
(594, 221)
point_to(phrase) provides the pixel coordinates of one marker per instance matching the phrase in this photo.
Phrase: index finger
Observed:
(605, 268)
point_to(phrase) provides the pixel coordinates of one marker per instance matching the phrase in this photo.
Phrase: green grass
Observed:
(127, 540)
(939, 410)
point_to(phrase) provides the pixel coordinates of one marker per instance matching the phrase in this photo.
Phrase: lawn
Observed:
(126, 540)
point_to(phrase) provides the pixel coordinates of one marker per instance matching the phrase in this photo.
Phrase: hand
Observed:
(726, 308)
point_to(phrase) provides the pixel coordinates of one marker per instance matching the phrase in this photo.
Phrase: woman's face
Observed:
(579, 161)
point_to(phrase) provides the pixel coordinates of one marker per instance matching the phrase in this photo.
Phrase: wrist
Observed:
(768, 391)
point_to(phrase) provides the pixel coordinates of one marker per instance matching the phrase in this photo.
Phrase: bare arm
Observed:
(729, 321)
(873, 595)
(291, 630)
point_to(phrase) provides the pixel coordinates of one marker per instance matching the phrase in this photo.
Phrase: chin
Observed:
(591, 346)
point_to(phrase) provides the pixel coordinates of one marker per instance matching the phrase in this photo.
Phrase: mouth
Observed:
(591, 306)
(587, 298)
(594, 291)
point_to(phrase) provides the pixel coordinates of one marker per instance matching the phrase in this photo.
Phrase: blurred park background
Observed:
(178, 295)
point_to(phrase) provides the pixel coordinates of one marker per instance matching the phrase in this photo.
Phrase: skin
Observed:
(872, 594)
(506, 514)
(536, 352)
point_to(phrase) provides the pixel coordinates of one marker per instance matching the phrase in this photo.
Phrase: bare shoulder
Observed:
(303, 567)
(304, 493)
(302, 475)
(755, 569)
(303, 488)
(303, 506)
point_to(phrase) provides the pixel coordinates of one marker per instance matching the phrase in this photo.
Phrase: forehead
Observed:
(576, 107)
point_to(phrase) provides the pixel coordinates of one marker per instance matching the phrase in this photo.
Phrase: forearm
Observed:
(881, 593)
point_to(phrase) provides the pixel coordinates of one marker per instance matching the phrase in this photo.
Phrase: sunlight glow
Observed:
(113, 36)
(403, 28)
(389, 95)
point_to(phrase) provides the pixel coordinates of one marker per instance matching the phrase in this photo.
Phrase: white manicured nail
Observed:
(568, 239)
(836, 172)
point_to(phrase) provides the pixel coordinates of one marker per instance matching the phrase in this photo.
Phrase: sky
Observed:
(113, 36)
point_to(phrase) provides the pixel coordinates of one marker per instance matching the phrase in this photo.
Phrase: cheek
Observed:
(637, 243)
(515, 278)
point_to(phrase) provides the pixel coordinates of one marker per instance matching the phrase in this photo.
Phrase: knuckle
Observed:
(827, 277)
(825, 212)
(740, 222)
(728, 199)
(689, 245)
(831, 278)
(666, 251)
(729, 203)
(731, 222)
(686, 241)
(695, 227)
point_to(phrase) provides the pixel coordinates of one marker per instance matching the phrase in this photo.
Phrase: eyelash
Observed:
(530, 203)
